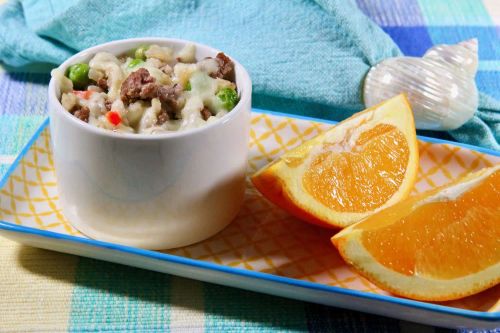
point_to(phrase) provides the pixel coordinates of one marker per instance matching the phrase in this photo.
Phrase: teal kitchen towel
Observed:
(484, 129)
(304, 57)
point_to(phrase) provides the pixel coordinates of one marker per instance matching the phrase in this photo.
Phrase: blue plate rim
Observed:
(7, 226)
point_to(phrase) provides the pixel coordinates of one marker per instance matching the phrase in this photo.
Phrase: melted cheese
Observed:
(142, 116)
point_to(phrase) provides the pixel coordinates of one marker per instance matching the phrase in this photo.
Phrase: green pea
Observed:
(140, 52)
(228, 98)
(79, 75)
(188, 86)
(135, 63)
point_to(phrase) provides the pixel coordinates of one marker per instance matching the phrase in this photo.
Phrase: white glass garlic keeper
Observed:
(440, 86)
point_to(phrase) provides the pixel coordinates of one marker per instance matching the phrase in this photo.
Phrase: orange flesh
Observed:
(363, 179)
(439, 239)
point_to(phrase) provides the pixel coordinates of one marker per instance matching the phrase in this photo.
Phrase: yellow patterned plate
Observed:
(264, 249)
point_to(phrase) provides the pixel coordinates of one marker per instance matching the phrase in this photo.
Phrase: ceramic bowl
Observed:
(151, 191)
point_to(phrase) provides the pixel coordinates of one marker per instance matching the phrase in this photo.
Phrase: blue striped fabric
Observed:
(111, 297)
(417, 25)
(243, 311)
(22, 109)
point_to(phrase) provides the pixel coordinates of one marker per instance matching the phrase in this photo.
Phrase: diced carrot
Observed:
(85, 94)
(114, 117)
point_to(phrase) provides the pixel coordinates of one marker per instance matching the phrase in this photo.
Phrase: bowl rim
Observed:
(56, 106)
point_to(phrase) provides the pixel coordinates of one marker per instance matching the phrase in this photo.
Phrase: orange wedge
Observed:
(362, 165)
(437, 246)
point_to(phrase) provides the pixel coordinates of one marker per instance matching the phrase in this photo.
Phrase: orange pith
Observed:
(441, 245)
(363, 178)
(360, 166)
(440, 239)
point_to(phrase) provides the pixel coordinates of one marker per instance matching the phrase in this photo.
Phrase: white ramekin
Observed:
(150, 191)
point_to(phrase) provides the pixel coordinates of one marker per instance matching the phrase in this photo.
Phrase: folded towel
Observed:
(304, 57)
(484, 129)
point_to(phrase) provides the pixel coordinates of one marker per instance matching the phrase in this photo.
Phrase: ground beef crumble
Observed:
(205, 113)
(138, 85)
(169, 96)
(81, 112)
(226, 67)
(103, 84)
(162, 118)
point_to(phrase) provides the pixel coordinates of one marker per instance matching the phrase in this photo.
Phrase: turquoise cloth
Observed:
(484, 129)
(304, 57)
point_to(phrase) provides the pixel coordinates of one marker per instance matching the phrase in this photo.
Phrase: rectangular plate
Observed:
(264, 249)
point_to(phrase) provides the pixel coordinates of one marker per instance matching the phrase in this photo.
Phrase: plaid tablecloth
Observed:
(53, 292)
